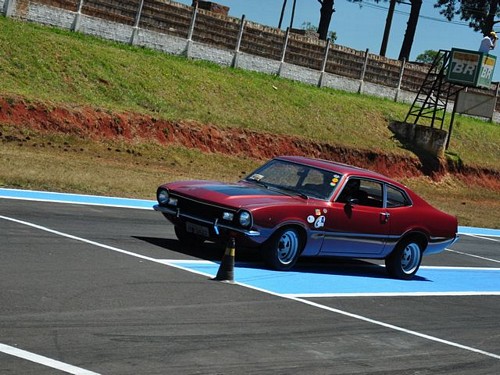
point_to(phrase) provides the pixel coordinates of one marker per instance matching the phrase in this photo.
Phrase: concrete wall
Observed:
(429, 139)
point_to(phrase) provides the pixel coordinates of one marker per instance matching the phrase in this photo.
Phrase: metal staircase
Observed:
(434, 94)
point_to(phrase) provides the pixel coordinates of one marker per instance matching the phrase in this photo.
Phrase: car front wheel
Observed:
(404, 261)
(283, 249)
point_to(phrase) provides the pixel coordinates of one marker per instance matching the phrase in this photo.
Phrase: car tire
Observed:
(187, 238)
(283, 249)
(404, 261)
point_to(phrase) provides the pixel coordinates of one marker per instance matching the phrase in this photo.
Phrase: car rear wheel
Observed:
(186, 238)
(404, 261)
(283, 249)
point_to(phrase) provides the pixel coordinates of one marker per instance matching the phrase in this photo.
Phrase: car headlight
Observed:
(162, 196)
(245, 219)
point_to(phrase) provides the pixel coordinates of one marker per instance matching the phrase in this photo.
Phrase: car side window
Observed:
(372, 193)
(365, 192)
(396, 198)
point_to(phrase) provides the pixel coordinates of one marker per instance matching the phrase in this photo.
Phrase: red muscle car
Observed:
(296, 206)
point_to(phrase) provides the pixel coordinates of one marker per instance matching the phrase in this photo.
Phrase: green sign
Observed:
(471, 68)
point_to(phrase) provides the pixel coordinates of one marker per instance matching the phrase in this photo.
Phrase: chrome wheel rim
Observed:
(288, 246)
(410, 258)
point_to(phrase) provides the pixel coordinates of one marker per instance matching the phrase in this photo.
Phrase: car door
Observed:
(357, 223)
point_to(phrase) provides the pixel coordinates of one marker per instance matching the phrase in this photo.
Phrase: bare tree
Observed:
(387, 30)
(411, 28)
(326, 12)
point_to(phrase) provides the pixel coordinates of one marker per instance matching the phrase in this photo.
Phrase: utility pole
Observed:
(282, 14)
(293, 14)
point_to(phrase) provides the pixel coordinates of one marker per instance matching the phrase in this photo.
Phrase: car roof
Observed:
(344, 169)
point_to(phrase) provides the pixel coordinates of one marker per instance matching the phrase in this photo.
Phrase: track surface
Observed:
(90, 289)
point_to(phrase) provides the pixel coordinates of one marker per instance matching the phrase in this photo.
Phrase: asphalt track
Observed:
(94, 285)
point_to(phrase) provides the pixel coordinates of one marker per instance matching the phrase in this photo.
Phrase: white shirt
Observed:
(486, 45)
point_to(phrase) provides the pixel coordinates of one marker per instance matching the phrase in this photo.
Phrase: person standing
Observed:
(488, 42)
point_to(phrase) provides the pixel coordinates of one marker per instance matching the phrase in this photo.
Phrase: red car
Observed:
(296, 206)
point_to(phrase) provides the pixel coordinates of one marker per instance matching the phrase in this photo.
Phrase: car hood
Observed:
(241, 194)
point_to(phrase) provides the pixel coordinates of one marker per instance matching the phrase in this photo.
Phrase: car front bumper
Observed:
(215, 225)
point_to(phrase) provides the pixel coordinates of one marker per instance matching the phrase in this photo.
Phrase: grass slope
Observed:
(63, 67)
(60, 67)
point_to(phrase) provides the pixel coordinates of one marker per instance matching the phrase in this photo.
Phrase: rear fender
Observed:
(416, 235)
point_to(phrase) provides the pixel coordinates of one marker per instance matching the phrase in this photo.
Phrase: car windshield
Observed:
(296, 178)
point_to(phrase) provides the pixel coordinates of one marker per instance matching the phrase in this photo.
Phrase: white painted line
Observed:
(461, 268)
(473, 255)
(80, 239)
(482, 237)
(396, 328)
(173, 264)
(40, 359)
(300, 300)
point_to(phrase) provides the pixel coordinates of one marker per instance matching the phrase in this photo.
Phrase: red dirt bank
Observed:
(96, 124)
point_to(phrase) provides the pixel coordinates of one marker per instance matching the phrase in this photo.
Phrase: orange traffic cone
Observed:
(226, 268)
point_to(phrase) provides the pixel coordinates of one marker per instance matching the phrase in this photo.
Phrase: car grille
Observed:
(201, 210)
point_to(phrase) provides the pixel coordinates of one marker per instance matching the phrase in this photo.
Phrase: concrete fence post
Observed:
(238, 43)
(135, 31)
(9, 8)
(401, 72)
(323, 65)
(191, 31)
(363, 71)
(78, 15)
(283, 52)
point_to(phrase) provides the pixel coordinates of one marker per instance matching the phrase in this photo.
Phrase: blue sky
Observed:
(363, 27)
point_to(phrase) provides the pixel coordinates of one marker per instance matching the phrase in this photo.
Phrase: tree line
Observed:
(481, 15)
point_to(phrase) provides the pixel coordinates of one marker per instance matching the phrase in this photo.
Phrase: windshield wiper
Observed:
(294, 192)
(279, 189)
(258, 182)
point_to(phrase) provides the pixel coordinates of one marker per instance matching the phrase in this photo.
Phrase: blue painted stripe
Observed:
(479, 231)
(147, 204)
(359, 280)
(76, 198)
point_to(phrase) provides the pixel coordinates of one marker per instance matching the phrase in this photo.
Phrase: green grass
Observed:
(47, 64)
(70, 164)
(65, 163)
(59, 67)
(476, 142)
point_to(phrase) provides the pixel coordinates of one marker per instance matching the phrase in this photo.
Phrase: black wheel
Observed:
(283, 249)
(404, 261)
(188, 238)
